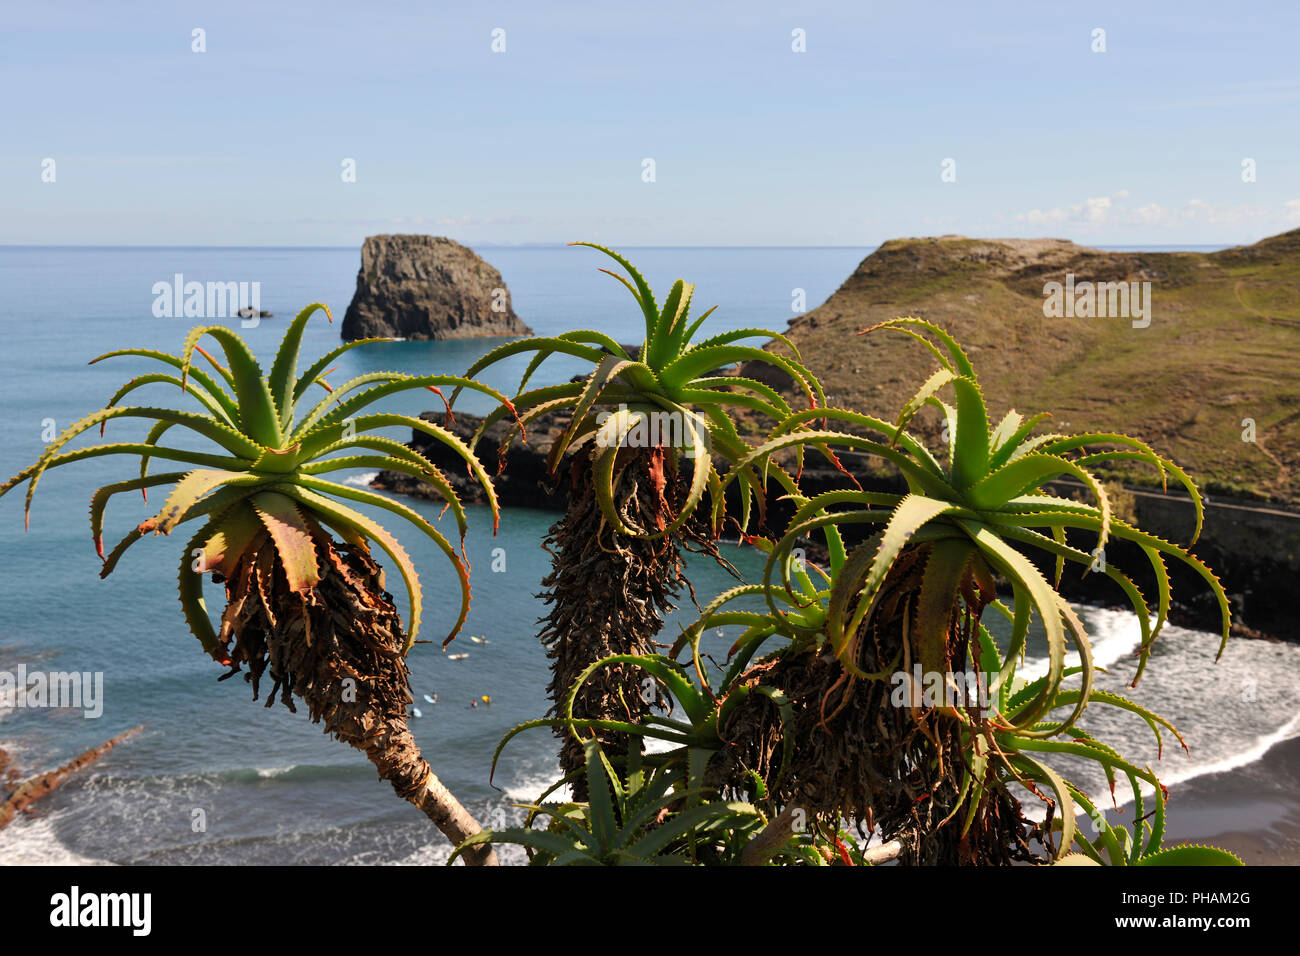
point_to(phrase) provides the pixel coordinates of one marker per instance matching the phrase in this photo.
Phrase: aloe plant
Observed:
(816, 724)
(616, 553)
(643, 816)
(914, 593)
(694, 737)
(305, 598)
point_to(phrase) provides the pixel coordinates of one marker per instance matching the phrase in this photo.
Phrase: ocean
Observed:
(217, 779)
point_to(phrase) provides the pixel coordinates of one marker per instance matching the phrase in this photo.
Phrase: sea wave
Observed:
(1113, 636)
(34, 841)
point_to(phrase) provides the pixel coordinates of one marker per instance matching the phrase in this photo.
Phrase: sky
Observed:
(499, 122)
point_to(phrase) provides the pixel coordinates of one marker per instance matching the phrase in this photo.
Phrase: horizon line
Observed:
(560, 245)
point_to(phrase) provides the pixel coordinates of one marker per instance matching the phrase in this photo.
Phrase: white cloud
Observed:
(1094, 211)
(1114, 211)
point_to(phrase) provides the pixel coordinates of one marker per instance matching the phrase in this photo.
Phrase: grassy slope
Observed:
(1223, 345)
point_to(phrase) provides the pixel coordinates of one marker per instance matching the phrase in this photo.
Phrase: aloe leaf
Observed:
(1001, 685)
(415, 518)
(194, 486)
(1022, 573)
(697, 361)
(214, 503)
(770, 395)
(229, 439)
(645, 298)
(1003, 452)
(326, 436)
(1122, 529)
(970, 454)
(938, 601)
(1105, 834)
(705, 397)
(292, 537)
(607, 368)
(200, 394)
(921, 455)
(207, 426)
(397, 382)
(232, 535)
(99, 501)
(1164, 465)
(190, 583)
(1191, 855)
(155, 435)
(335, 514)
(587, 336)
(918, 401)
(257, 414)
(553, 344)
(923, 481)
(543, 840)
(205, 381)
(125, 448)
(1063, 551)
(905, 323)
(911, 514)
(680, 825)
(431, 477)
(1031, 471)
(603, 825)
(1065, 802)
(1004, 430)
(667, 671)
(316, 369)
(659, 344)
(735, 335)
(281, 380)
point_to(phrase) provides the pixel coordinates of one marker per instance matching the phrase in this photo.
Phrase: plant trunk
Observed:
(340, 647)
(857, 754)
(608, 594)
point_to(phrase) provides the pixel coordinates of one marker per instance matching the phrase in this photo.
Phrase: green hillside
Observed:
(1222, 345)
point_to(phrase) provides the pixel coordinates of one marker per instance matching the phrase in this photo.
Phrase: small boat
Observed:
(479, 640)
(415, 712)
(429, 699)
(457, 657)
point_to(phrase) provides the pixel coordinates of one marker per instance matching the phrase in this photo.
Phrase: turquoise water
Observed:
(271, 787)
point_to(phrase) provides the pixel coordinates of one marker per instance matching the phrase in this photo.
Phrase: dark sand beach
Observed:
(1253, 810)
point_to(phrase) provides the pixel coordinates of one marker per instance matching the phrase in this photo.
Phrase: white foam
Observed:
(1124, 794)
(529, 787)
(1261, 746)
(1112, 636)
(33, 841)
(363, 480)
(275, 771)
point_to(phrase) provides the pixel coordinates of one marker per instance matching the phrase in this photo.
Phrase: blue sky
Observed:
(753, 143)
